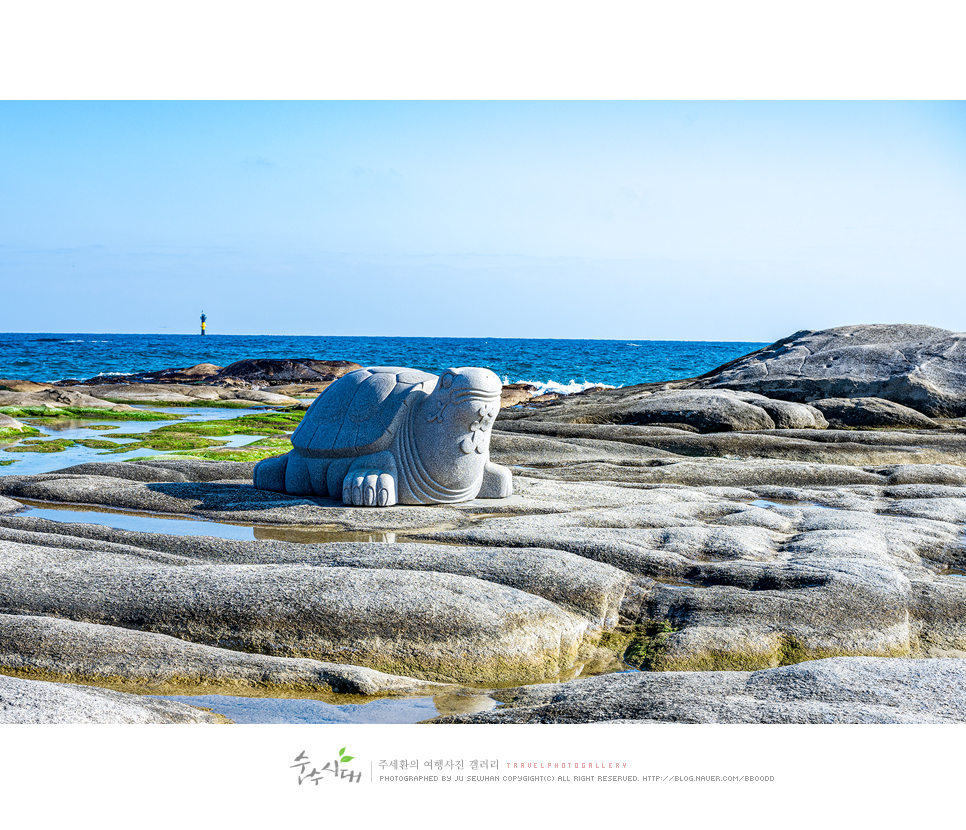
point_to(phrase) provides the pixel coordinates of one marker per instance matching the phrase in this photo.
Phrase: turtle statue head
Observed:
(388, 435)
(453, 434)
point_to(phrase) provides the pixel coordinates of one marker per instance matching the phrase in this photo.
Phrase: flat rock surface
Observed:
(840, 690)
(748, 563)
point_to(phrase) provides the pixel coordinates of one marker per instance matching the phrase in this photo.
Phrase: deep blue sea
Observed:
(553, 365)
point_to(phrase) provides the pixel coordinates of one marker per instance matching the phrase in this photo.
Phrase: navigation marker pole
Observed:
(203, 319)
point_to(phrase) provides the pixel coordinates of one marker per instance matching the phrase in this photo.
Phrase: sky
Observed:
(657, 220)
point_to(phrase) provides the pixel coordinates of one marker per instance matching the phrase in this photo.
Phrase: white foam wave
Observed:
(546, 387)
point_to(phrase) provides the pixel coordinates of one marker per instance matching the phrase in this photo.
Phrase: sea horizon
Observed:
(551, 364)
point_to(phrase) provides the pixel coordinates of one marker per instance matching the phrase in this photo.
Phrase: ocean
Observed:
(551, 365)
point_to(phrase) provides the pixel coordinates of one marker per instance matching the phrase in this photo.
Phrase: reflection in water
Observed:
(184, 526)
(311, 535)
(298, 710)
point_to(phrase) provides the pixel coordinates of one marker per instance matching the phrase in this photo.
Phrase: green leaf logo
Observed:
(343, 757)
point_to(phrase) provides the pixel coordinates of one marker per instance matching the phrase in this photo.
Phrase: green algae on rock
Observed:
(35, 445)
(198, 435)
(12, 435)
(256, 451)
(158, 440)
(43, 414)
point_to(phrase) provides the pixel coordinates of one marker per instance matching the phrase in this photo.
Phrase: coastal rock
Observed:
(479, 632)
(592, 589)
(144, 393)
(242, 373)
(9, 505)
(78, 652)
(535, 441)
(261, 396)
(301, 390)
(15, 385)
(9, 426)
(190, 374)
(516, 393)
(37, 701)
(295, 370)
(696, 410)
(179, 394)
(167, 469)
(55, 398)
(871, 413)
(839, 690)
(705, 410)
(786, 414)
(917, 366)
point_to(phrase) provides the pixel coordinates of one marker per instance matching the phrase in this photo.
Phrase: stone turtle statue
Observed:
(387, 435)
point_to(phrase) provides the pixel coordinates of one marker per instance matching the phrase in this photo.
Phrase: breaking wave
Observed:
(546, 387)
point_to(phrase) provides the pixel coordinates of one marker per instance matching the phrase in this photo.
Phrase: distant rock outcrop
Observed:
(272, 371)
(917, 366)
(251, 372)
(855, 377)
(191, 374)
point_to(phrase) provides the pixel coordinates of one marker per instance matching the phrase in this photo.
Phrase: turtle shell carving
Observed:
(359, 413)
(389, 435)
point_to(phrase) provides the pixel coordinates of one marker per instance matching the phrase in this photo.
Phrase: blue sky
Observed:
(647, 220)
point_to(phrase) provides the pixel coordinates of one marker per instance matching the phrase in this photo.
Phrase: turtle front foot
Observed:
(369, 488)
(269, 473)
(497, 482)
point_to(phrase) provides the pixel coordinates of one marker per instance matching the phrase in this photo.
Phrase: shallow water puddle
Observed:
(951, 571)
(184, 526)
(381, 710)
(36, 463)
(783, 503)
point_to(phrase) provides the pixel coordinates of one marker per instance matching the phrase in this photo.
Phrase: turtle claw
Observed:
(369, 488)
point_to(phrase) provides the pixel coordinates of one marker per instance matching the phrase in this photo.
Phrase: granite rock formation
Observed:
(921, 367)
